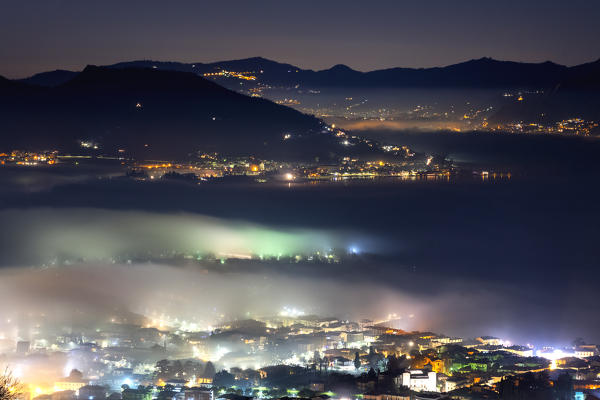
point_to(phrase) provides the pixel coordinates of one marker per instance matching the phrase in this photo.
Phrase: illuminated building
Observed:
(453, 383)
(419, 380)
(437, 365)
(204, 381)
(445, 340)
(73, 382)
(586, 350)
(489, 340)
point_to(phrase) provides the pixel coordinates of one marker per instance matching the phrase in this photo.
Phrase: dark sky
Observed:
(49, 34)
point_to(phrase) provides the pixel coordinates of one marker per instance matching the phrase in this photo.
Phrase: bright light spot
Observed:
(291, 312)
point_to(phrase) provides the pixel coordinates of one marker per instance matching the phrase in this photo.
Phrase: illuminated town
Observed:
(398, 162)
(290, 354)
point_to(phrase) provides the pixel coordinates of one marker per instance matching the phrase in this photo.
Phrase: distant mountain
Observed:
(567, 91)
(5, 82)
(156, 114)
(7, 85)
(584, 76)
(480, 73)
(50, 78)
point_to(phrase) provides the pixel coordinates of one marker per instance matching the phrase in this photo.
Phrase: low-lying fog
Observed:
(513, 258)
(48, 236)
(81, 285)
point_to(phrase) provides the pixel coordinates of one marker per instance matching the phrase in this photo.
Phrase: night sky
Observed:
(43, 35)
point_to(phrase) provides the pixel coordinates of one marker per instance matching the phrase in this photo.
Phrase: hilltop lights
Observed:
(89, 144)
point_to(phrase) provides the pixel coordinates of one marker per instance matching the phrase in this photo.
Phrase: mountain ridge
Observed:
(483, 72)
(156, 114)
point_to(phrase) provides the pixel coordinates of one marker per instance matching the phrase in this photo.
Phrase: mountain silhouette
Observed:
(50, 78)
(478, 73)
(154, 113)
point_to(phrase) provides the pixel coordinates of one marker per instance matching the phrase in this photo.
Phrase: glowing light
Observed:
(18, 372)
(291, 312)
(554, 355)
(221, 351)
(191, 382)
